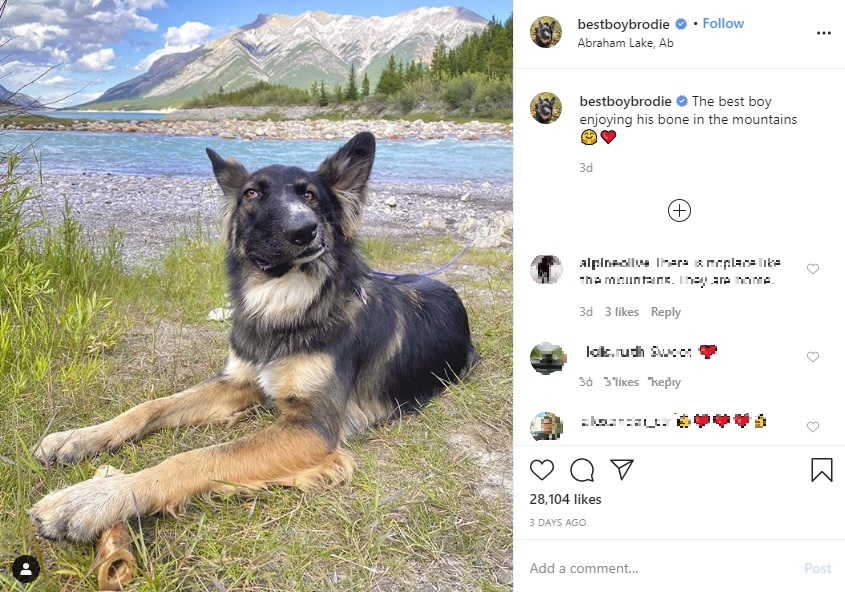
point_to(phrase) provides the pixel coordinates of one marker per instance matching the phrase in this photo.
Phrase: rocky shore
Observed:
(153, 212)
(256, 123)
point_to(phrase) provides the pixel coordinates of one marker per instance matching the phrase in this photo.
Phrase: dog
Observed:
(315, 336)
(544, 109)
(544, 33)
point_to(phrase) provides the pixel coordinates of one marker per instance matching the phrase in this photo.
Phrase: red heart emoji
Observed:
(608, 135)
(722, 420)
(707, 351)
(741, 420)
(701, 420)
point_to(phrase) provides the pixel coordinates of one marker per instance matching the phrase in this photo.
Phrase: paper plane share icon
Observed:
(623, 466)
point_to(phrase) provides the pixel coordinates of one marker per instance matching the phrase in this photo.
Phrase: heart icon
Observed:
(742, 420)
(812, 356)
(608, 135)
(721, 420)
(812, 425)
(542, 468)
(707, 351)
(701, 420)
(813, 267)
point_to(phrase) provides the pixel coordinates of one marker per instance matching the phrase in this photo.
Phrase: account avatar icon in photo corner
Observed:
(547, 358)
(545, 108)
(546, 269)
(546, 32)
(546, 426)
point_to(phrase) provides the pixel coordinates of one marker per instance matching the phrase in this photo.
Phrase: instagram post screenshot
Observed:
(677, 266)
(256, 295)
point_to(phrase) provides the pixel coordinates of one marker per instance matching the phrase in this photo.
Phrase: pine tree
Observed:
(389, 82)
(439, 63)
(365, 86)
(337, 93)
(324, 97)
(351, 93)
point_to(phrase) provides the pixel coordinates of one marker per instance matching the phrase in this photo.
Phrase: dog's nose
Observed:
(301, 234)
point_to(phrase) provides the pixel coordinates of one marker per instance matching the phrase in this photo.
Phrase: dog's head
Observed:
(544, 108)
(544, 32)
(280, 217)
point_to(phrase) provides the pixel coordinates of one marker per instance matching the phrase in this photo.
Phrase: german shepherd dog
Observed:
(544, 109)
(544, 33)
(314, 335)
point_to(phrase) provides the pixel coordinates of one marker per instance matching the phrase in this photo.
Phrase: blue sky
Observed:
(84, 47)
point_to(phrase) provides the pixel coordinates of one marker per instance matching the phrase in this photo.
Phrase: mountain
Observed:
(294, 50)
(18, 99)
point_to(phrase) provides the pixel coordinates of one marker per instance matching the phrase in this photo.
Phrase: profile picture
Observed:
(546, 269)
(547, 358)
(545, 32)
(546, 426)
(545, 108)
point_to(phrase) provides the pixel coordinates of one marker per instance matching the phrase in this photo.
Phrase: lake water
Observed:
(445, 161)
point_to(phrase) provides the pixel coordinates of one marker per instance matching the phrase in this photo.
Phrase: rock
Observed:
(391, 201)
(437, 222)
(220, 314)
(493, 231)
(486, 184)
(467, 183)
(466, 196)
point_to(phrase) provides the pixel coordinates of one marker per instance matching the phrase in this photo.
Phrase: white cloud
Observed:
(190, 33)
(98, 60)
(34, 36)
(180, 39)
(53, 80)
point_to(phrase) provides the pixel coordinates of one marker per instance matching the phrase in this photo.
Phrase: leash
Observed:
(428, 273)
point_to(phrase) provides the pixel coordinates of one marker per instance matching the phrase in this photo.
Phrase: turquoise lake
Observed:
(444, 161)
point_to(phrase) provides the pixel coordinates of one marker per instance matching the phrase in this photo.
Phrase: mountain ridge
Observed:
(296, 50)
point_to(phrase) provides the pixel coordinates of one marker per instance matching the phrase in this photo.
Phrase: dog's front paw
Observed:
(82, 511)
(72, 446)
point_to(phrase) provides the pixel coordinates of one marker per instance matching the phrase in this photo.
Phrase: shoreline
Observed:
(228, 123)
(153, 212)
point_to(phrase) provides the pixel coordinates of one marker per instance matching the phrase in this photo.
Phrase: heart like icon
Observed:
(721, 420)
(812, 356)
(542, 468)
(707, 351)
(608, 135)
(813, 267)
(812, 425)
(701, 420)
(742, 420)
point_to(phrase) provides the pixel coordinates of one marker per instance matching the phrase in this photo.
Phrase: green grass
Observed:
(81, 340)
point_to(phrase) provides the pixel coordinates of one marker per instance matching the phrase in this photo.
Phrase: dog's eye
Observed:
(250, 194)
(310, 197)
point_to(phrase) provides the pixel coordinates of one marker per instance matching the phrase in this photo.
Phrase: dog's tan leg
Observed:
(289, 453)
(223, 399)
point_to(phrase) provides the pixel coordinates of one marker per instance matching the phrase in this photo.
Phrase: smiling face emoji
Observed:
(589, 137)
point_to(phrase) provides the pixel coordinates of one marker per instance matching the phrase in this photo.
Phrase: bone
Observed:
(114, 562)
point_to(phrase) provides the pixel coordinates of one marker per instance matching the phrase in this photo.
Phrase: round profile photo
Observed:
(545, 108)
(547, 358)
(545, 32)
(546, 269)
(546, 426)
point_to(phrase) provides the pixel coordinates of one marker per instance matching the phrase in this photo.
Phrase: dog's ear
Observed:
(230, 173)
(347, 172)
(552, 101)
(553, 24)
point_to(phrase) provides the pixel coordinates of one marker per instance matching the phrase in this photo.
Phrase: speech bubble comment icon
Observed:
(582, 470)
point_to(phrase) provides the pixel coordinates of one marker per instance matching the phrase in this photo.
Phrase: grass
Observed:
(81, 340)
